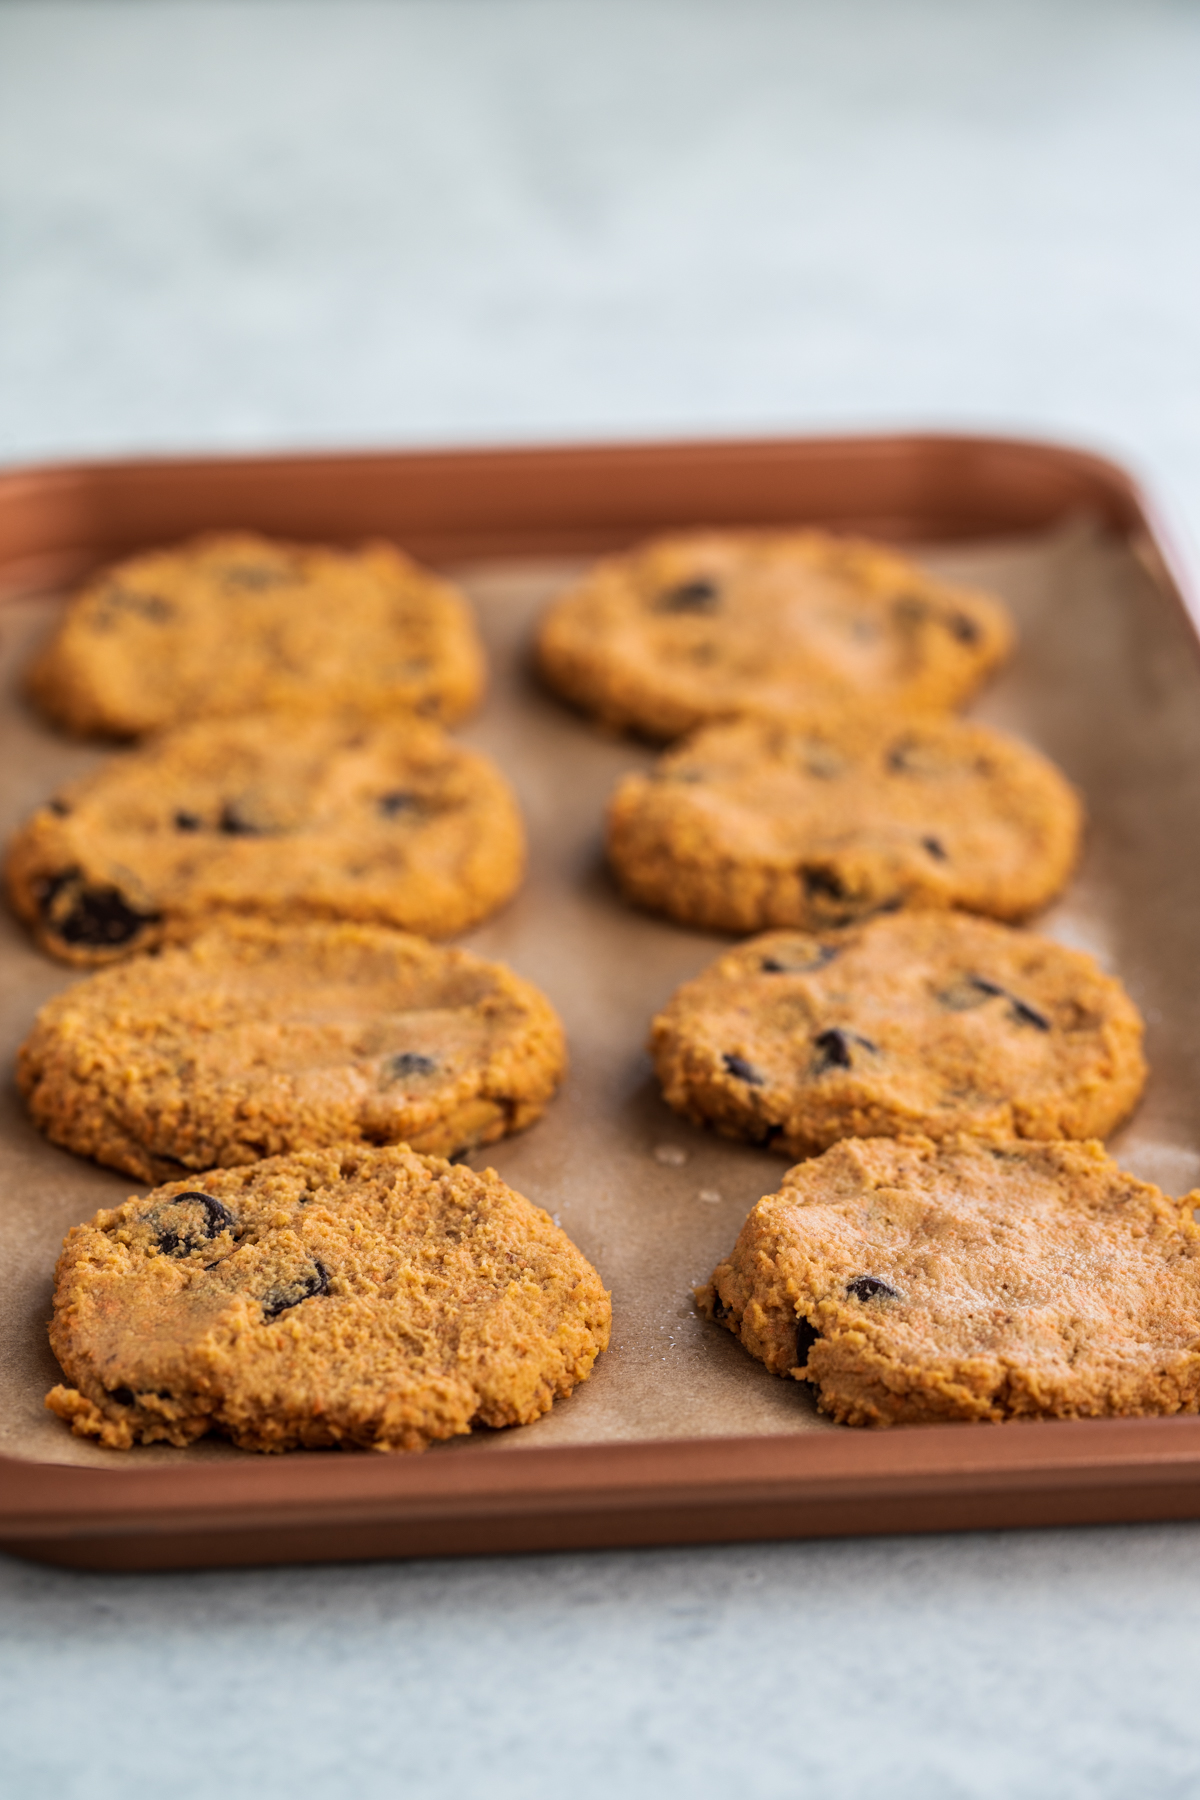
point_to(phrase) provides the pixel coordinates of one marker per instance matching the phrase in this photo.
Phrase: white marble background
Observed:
(323, 222)
(253, 222)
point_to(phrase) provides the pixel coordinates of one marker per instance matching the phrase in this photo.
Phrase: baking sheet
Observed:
(1106, 681)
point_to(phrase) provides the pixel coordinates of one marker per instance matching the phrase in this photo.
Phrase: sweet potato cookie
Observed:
(234, 622)
(927, 1022)
(370, 1298)
(818, 822)
(912, 1282)
(272, 814)
(705, 625)
(259, 1039)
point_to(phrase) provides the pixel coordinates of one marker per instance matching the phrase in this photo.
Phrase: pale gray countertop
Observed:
(350, 223)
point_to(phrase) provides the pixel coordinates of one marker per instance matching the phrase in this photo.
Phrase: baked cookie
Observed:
(235, 622)
(927, 1022)
(912, 1282)
(819, 822)
(369, 1298)
(258, 1039)
(276, 814)
(708, 624)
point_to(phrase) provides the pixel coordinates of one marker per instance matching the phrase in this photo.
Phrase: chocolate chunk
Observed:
(822, 884)
(280, 1299)
(991, 988)
(936, 848)
(964, 629)
(236, 824)
(824, 953)
(696, 596)
(738, 1067)
(1022, 1011)
(98, 915)
(410, 1062)
(1029, 1015)
(102, 915)
(217, 1218)
(399, 801)
(834, 1048)
(187, 821)
(870, 1287)
(806, 1336)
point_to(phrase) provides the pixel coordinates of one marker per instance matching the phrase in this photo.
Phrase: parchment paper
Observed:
(1106, 681)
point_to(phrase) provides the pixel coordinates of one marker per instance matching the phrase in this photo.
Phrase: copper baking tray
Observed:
(678, 1437)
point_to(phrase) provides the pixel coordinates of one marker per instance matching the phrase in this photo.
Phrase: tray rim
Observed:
(56, 519)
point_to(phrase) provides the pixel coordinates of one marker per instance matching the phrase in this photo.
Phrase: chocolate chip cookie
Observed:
(824, 820)
(706, 625)
(935, 1023)
(258, 1039)
(281, 815)
(370, 1298)
(911, 1282)
(235, 622)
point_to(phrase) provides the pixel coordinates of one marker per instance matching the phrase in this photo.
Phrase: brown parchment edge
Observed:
(55, 522)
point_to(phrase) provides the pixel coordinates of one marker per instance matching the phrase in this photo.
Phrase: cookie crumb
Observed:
(674, 1155)
(710, 1196)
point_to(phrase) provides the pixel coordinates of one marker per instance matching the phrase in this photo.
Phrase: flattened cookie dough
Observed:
(233, 622)
(370, 1298)
(258, 1039)
(821, 821)
(927, 1022)
(281, 815)
(705, 625)
(912, 1282)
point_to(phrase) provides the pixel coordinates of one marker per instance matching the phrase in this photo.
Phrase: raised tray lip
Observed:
(1051, 478)
(56, 517)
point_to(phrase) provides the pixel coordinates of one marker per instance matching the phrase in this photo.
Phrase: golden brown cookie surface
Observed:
(279, 815)
(259, 1039)
(234, 622)
(925, 1022)
(758, 823)
(705, 625)
(350, 1296)
(912, 1282)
